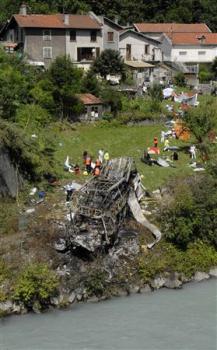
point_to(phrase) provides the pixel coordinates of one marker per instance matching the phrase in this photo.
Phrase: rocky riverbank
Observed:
(124, 268)
(66, 299)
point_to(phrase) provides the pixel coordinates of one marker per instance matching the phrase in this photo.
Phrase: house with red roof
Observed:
(182, 42)
(44, 37)
(193, 47)
(94, 107)
(155, 30)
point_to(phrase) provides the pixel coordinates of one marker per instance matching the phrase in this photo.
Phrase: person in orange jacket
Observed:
(155, 141)
(96, 171)
(98, 163)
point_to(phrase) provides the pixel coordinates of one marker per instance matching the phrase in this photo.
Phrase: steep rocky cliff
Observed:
(10, 179)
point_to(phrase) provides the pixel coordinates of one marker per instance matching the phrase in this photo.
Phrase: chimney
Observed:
(202, 39)
(116, 19)
(23, 9)
(66, 19)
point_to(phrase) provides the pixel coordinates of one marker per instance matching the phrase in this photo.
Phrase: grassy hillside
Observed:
(119, 141)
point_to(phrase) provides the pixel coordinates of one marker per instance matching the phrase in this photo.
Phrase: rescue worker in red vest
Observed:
(155, 141)
(77, 169)
(98, 163)
(96, 171)
(88, 164)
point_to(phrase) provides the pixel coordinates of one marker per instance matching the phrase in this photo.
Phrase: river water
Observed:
(163, 320)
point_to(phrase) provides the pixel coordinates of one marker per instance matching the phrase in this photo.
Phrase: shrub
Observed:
(191, 214)
(205, 76)
(179, 79)
(155, 92)
(32, 116)
(168, 258)
(95, 283)
(36, 283)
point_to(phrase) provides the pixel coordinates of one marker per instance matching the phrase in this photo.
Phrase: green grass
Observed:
(119, 141)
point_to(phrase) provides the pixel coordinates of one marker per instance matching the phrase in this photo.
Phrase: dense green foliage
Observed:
(167, 258)
(191, 213)
(179, 79)
(145, 10)
(203, 119)
(36, 283)
(32, 156)
(214, 68)
(109, 62)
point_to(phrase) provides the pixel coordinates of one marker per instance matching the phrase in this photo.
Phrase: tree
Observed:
(214, 68)
(42, 94)
(109, 62)
(202, 120)
(191, 212)
(66, 82)
(112, 99)
(13, 91)
(90, 83)
(32, 116)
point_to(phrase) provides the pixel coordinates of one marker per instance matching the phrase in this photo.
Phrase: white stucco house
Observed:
(193, 47)
(134, 46)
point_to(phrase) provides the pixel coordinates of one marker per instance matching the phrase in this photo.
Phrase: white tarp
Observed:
(190, 100)
(168, 92)
(138, 215)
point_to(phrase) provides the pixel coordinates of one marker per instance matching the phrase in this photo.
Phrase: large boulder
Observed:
(200, 276)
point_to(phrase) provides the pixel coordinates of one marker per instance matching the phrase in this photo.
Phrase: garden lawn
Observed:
(118, 141)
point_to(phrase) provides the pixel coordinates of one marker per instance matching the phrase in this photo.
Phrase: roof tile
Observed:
(193, 38)
(89, 99)
(172, 27)
(56, 21)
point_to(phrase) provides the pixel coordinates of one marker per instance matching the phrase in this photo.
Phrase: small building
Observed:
(141, 71)
(93, 107)
(134, 46)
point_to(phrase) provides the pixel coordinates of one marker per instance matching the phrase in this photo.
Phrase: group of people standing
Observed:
(91, 167)
(95, 167)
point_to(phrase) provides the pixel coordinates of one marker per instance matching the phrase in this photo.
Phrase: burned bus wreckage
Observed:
(100, 207)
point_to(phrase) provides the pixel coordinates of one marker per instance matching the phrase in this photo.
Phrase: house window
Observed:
(182, 53)
(147, 49)
(72, 35)
(93, 35)
(201, 52)
(110, 36)
(87, 53)
(47, 52)
(47, 34)
(9, 49)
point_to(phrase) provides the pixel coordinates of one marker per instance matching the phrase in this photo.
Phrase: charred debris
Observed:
(100, 207)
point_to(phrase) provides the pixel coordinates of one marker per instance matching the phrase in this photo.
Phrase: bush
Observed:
(95, 283)
(167, 258)
(156, 93)
(191, 213)
(203, 119)
(205, 76)
(179, 79)
(37, 283)
(32, 116)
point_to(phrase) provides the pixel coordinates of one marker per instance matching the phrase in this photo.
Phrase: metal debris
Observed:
(102, 204)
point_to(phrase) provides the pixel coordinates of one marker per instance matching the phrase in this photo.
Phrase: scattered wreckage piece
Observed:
(138, 215)
(101, 205)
